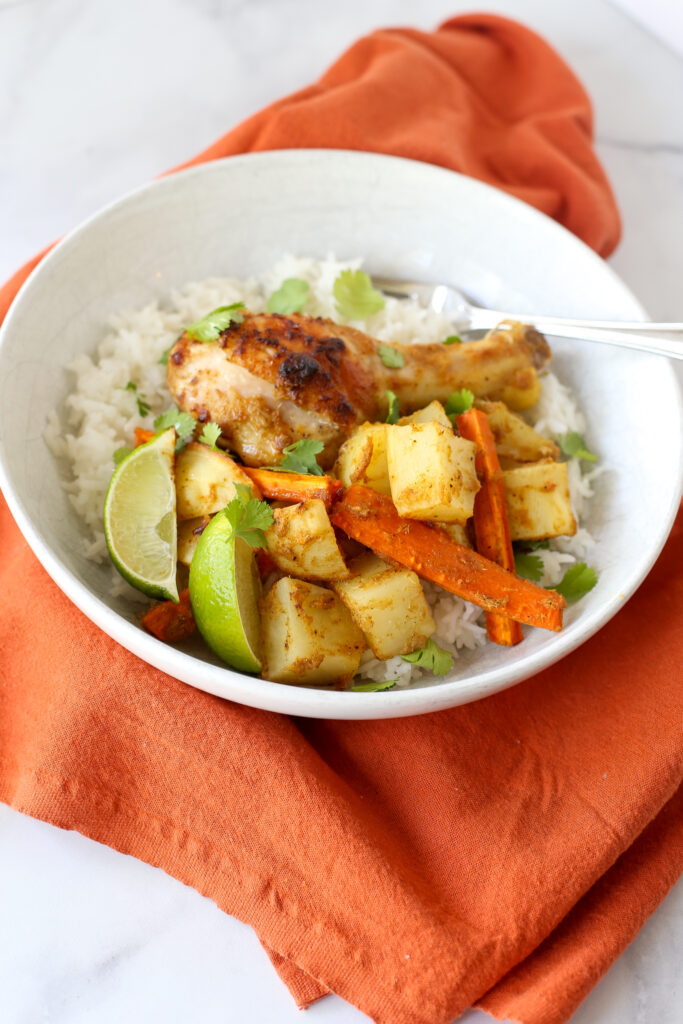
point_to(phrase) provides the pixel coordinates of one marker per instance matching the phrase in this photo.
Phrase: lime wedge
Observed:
(139, 517)
(224, 591)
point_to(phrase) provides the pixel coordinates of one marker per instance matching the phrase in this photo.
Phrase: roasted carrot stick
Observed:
(169, 621)
(372, 519)
(491, 528)
(294, 486)
(142, 436)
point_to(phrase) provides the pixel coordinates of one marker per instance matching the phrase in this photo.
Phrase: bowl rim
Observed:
(252, 690)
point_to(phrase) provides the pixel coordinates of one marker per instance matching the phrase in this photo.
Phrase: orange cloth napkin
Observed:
(499, 854)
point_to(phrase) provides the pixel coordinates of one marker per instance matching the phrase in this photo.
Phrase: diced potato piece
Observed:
(362, 458)
(302, 542)
(388, 605)
(457, 532)
(189, 532)
(432, 413)
(431, 472)
(205, 480)
(538, 502)
(515, 439)
(307, 635)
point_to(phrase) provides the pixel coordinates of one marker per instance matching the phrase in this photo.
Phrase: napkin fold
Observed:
(500, 854)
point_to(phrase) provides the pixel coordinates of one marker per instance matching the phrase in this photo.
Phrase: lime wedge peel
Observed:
(140, 517)
(224, 592)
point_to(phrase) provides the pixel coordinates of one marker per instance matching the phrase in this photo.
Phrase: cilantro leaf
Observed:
(386, 684)
(356, 298)
(120, 454)
(576, 582)
(392, 414)
(184, 423)
(534, 545)
(431, 657)
(529, 567)
(459, 402)
(290, 297)
(391, 357)
(452, 339)
(141, 400)
(218, 320)
(300, 457)
(248, 517)
(574, 445)
(163, 358)
(210, 434)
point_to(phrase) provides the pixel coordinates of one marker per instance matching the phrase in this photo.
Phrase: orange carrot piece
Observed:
(169, 621)
(372, 519)
(491, 527)
(294, 486)
(142, 436)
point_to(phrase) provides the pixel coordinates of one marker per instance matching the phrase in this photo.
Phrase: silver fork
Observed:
(643, 336)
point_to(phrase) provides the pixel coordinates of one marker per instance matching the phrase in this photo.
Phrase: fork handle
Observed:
(632, 335)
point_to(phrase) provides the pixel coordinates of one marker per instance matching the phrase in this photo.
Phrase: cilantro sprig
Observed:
(214, 323)
(431, 657)
(355, 297)
(184, 423)
(120, 454)
(578, 580)
(574, 445)
(141, 400)
(290, 297)
(300, 457)
(392, 413)
(210, 434)
(391, 357)
(529, 567)
(385, 684)
(452, 339)
(248, 517)
(459, 402)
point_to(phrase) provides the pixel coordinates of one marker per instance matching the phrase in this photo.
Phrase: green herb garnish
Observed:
(214, 323)
(431, 657)
(290, 297)
(141, 400)
(574, 445)
(163, 358)
(459, 402)
(452, 339)
(386, 684)
(391, 357)
(184, 423)
(300, 457)
(356, 298)
(576, 582)
(248, 517)
(210, 434)
(120, 454)
(529, 567)
(392, 414)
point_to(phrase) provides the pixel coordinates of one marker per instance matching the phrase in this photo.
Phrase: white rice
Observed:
(100, 415)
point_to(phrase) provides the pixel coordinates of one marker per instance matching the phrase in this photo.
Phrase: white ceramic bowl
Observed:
(406, 219)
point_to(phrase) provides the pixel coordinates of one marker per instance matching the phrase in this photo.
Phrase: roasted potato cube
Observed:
(432, 413)
(538, 502)
(205, 480)
(457, 532)
(388, 605)
(431, 472)
(189, 532)
(302, 542)
(362, 458)
(308, 635)
(516, 441)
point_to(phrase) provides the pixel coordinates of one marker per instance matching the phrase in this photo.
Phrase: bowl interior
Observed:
(237, 216)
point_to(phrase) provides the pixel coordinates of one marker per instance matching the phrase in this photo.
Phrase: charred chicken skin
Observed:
(272, 380)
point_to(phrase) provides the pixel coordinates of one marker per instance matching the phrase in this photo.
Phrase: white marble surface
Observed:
(96, 98)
